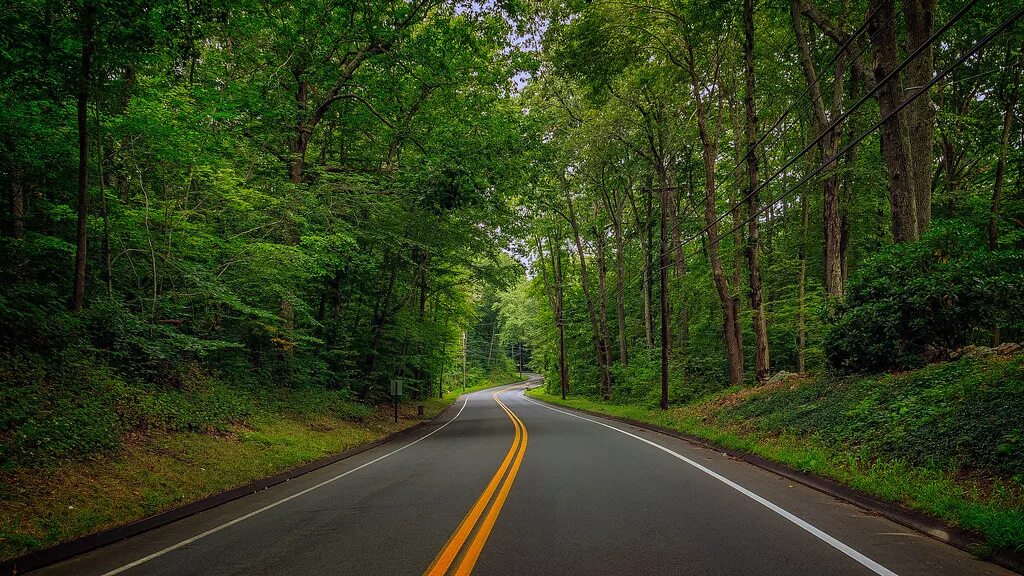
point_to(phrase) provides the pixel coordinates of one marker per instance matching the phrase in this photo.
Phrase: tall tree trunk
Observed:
(894, 135)
(16, 191)
(563, 366)
(602, 308)
(296, 172)
(680, 264)
(614, 204)
(82, 232)
(380, 319)
(648, 264)
(827, 147)
(920, 22)
(1004, 143)
(107, 272)
(801, 335)
(730, 308)
(554, 291)
(444, 363)
(666, 339)
(845, 201)
(591, 305)
(303, 129)
(620, 298)
(761, 352)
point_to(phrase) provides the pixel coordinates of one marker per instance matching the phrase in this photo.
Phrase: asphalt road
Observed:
(503, 485)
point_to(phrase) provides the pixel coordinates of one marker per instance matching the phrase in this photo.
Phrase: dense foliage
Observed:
(271, 202)
(917, 302)
(957, 415)
(213, 205)
(747, 167)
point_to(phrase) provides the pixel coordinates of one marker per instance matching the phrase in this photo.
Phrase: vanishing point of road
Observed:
(502, 484)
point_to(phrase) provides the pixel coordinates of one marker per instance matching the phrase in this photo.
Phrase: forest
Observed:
(219, 209)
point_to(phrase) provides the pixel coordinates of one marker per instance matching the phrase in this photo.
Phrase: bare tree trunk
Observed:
(614, 204)
(845, 201)
(761, 351)
(1004, 143)
(649, 262)
(801, 335)
(643, 227)
(997, 189)
(666, 339)
(554, 292)
(730, 311)
(920, 114)
(602, 314)
(620, 301)
(563, 367)
(82, 232)
(894, 135)
(827, 147)
(380, 319)
(591, 306)
(16, 192)
(107, 273)
(602, 309)
(444, 362)
(490, 343)
(680, 264)
(303, 130)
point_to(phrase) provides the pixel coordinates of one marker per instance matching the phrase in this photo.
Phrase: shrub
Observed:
(933, 295)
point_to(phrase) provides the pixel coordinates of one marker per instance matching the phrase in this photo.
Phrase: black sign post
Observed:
(396, 391)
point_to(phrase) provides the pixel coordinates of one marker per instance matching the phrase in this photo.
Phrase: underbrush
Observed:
(963, 415)
(75, 407)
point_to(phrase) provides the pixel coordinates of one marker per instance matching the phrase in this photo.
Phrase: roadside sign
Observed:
(396, 387)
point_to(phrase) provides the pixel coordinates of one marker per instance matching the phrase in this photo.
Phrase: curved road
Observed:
(501, 484)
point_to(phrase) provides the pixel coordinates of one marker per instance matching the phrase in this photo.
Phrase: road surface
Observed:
(501, 484)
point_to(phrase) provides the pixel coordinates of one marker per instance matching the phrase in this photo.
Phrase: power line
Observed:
(799, 98)
(842, 117)
(920, 92)
(860, 30)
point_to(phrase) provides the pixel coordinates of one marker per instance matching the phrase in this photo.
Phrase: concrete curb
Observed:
(89, 542)
(923, 523)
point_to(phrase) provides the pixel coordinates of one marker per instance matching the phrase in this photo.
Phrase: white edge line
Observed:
(818, 533)
(171, 548)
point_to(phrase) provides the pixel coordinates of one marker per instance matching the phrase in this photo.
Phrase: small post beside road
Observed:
(396, 391)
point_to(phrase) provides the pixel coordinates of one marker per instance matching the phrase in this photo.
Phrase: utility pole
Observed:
(444, 361)
(520, 359)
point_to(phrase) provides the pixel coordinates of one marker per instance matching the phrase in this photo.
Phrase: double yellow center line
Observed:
(456, 548)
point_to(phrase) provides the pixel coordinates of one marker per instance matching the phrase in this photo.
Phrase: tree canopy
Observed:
(616, 193)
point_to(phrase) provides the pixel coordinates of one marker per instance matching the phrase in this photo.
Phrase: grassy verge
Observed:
(885, 436)
(500, 381)
(155, 471)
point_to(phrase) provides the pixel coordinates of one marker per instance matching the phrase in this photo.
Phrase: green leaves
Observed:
(915, 302)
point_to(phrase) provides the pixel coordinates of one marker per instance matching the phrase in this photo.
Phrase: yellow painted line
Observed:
(451, 548)
(477, 545)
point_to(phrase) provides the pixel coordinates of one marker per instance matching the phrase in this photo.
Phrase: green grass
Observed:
(158, 470)
(850, 432)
